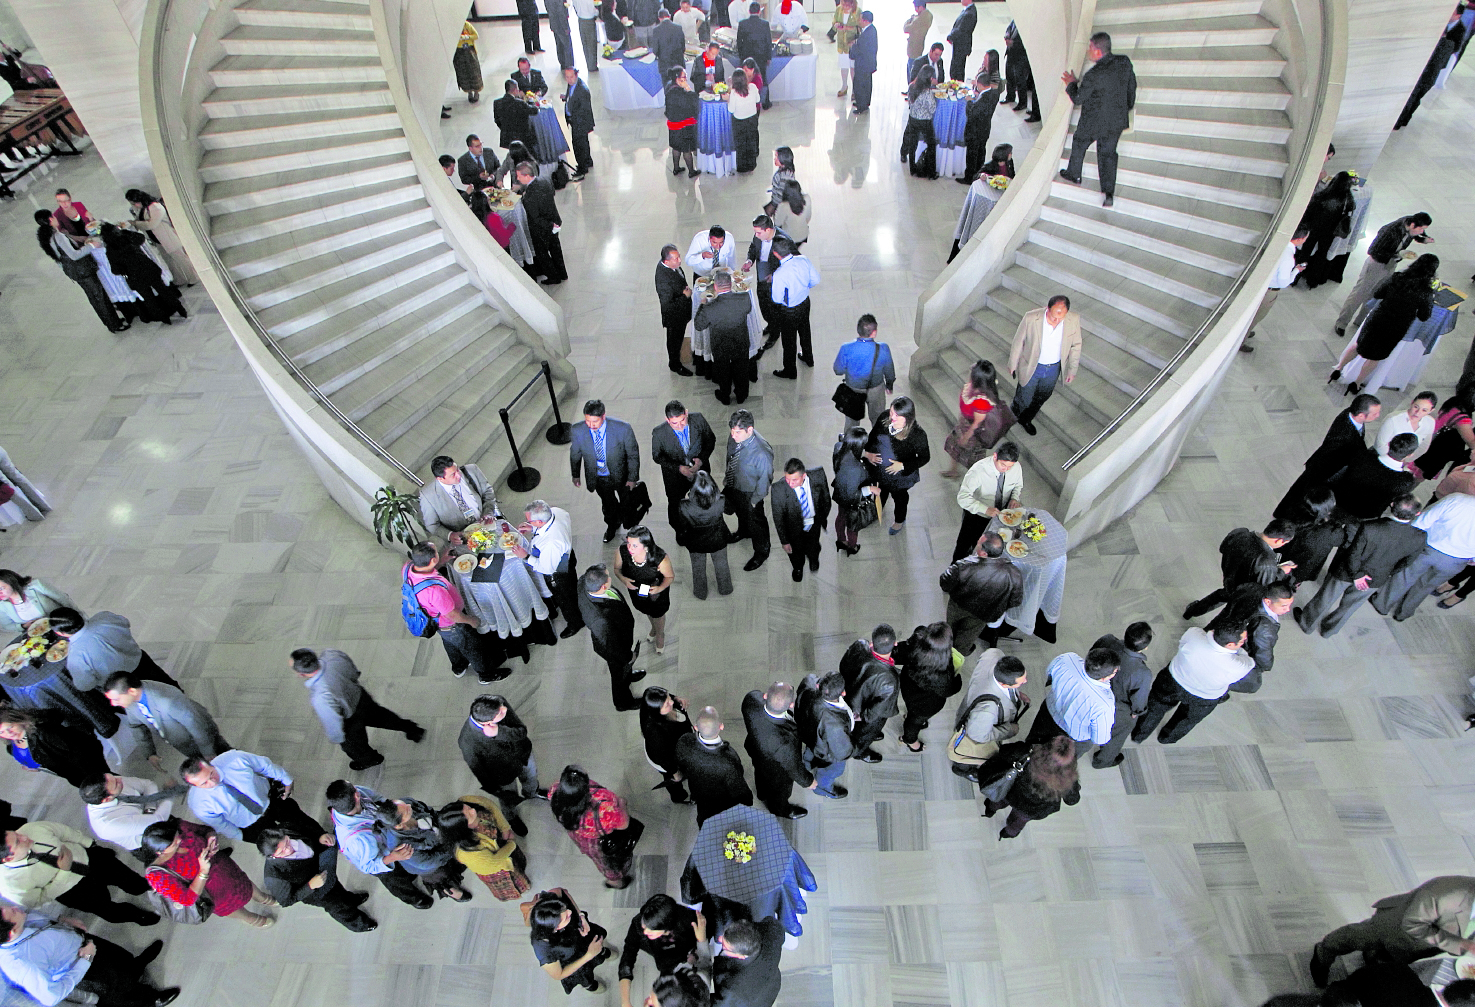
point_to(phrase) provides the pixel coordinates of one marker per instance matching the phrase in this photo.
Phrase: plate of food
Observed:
(58, 652)
(38, 627)
(709, 96)
(1017, 549)
(637, 52)
(464, 563)
(1011, 517)
(510, 540)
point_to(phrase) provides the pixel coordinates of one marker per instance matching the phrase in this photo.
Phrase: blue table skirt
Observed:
(714, 129)
(949, 120)
(548, 131)
(776, 66)
(647, 75)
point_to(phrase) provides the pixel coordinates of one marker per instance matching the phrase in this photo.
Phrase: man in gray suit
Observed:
(151, 708)
(345, 707)
(563, 40)
(458, 496)
(605, 453)
(101, 644)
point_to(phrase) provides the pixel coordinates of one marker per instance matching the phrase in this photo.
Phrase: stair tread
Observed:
(1064, 272)
(1253, 85)
(1249, 220)
(1213, 285)
(368, 89)
(288, 311)
(365, 320)
(1093, 216)
(1123, 31)
(491, 451)
(323, 147)
(274, 33)
(454, 407)
(1084, 396)
(342, 175)
(1208, 54)
(374, 120)
(306, 6)
(1264, 186)
(237, 62)
(1272, 153)
(378, 386)
(401, 189)
(1095, 395)
(374, 222)
(1267, 117)
(326, 262)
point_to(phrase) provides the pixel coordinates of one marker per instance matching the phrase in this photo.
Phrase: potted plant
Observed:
(397, 517)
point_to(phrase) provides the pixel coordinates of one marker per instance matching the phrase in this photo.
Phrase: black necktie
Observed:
(999, 492)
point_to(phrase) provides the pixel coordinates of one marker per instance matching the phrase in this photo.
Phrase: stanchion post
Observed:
(523, 479)
(558, 433)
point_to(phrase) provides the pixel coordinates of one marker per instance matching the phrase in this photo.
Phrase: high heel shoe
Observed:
(1352, 388)
(1336, 373)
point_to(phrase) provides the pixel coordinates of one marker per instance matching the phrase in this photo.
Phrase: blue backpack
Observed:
(417, 620)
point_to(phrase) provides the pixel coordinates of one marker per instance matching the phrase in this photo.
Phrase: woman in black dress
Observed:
(568, 945)
(981, 110)
(1402, 298)
(1328, 216)
(896, 451)
(928, 678)
(852, 489)
(702, 529)
(1319, 530)
(682, 105)
(663, 722)
(127, 258)
(646, 571)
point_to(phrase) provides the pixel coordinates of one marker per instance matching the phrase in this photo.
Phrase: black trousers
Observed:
(919, 130)
(677, 486)
(282, 812)
(957, 66)
(793, 327)
(867, 733)
(97, 296)
(1106, 158)
(149, 670)
(732, 375)
(773, 786)
(922, 706)
(745, 140)
(903, 501)
(116, 977)
(969, 532)
(366, 715)
(977, 143)
(1121, 729)
(583, 160)
(675, 333)
(752, 521)
(469, 650)
(529, 17)
(548, 255)
(620, 670)
(614, 501)
(1167, 693)
(564, 584)
(105, 871)
(805, 547)
(341, 904)
(862, 89)
(1209, 602)
(401, 884)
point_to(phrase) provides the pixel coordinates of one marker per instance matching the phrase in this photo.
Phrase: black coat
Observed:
(669, 44)
(727, 316)
(870, 684)
(961, 33)
(697, 73)
(773, 745)
(579, 109)
(671, 293)
(912, 451)
(1312, 545)
(713, 775)
(981, 111)
(611, 626)
(755, 41)
(666, 451)
(1368, 486)
(541, 208)
(788, 518)
(763, 270)
(286, 880)
(985, 587)
(1342, 445)
(74, 755)
(1399, 304)
(660, 735)
(699, 529)
(1105, 95)
(850, 476)
(531, 81)
(824, 729)
(754, 981)
(514, 119)
(1024, 795)
(1246, 558)
(495, 762)
(1377, 547)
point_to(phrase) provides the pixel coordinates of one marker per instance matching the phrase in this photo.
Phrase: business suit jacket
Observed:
(1432, 915)
(579, 109)
(621, 453)
(961, 34)
(665, 451)
(917, 26)
(863, 50)
(611, 626)
(763, 268)
(872, 687)
(670, 291)
(755, 42)
(788, 519)
(286, 880)
(514, 119)
(469, 172)
(1024, 353)
(1133, 680)
(495, 762)
(1105, 95)
(824, 729)
(1368, 486)
(531, 81)
(715, 775)
(184, 723)
(1245, 558)
(773, 746)
(668, 42)
(442, 515)
(726, 315)
(1376, 549)
(1342, 445)
(754, 981)
(939, 68)
(542, 210)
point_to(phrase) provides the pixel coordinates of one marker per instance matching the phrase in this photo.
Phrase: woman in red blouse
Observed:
(589, 812)
(185, 860)
(984, 420)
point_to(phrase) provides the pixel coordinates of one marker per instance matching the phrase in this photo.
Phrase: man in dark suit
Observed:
(932, 59)
(514, 117)
(762, 261)
(578, 112)
(961, 36)
(755, 42)
(668, 42)
(863, 55)
(527, 14)
(872, 688)
(604, 452)
(495, 744)
(1246, 557)
(612, 632)
(1344, 443)
(825, 723)
(674, 295)
(712, 767)
(682, 447)
(745, 971)
(1130, 687)
(475, 167)
(724, 313)
(544, 224)
(528, 80)
(1363, 566)
(1106, 94)
(563, 36)
(801, 509)
(773, 746)
(1372, 482)
(1407, 927)
(1259, 611)
(299, 868)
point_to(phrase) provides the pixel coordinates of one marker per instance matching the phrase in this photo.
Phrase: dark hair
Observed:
(984, 377)
(927, 657)
(526, 167)
(193, 764)
(832, 686)
(675, 74)
(341, 796)
(139, 196)
(1423, 269)
(1007, 452)
(1460, 993)
(990, 66)
(451, 820)
(439, 464)
(509, 85)
(44, 234)
(485, 708)
(470, 138)
(1058, 299)
(15, 581)
(754, 8)
(305, 662)
(1102, 41)
(741, 419)
(1362, 403)
(518, 153)
(66, 620)
(792, 466)
(659, 913)
(853, 441)
(595, 576)
(1279, 591)
(992, 544)
(641, 534)
(865, 325)
(1101, 662)
(682, 988)
(1406, 507)
(783, 246)
(549, 909)
(907, 410)
(936, 45)
(594, 407)
(93, 789)
(785, 158)
(424, 553)
(1426, 394)
(1401, 446)
(883, 638)
(1318, 505)
(743, 936)
(570, 799)
(717, 231)
(63, 192)
(704, 489)
(1001, 153)
(1301, 232)
(763, 222)
(447, 161)
(739, 82)
(921, 83)
(267, 841)
(1009, 670)
(667, 250)
(121, 681)
(1138, 637)
(1227, 632)
(157, 837)
(1280, 528)
(1420, 219)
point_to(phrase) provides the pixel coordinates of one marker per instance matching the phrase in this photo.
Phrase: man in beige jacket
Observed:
(48, 862)
(1430, 919)
(917, 26)
(1046, 344)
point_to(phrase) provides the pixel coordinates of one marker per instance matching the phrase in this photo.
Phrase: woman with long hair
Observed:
(39, 740)
(589, 813)
(663, 722)
(742, 103)
(682, 106)
(1454, 436)
(483, 842)
(702, 529)
(1319, 530)
(928, 677)
(846, 30)
(75, 260)
(921, 107)
(783, 173)
(569, 945)
(185, 861)
(127, 258)
(853, 488)
(23, 600)
(1327, 216)
(431, 859)
(983, 419)
(150, 216)
(646, 571)
(1049, 779)
(1000, 162)
(1402, 298)
(793, 212)
(897, 450)
(755, 78)
(611, 13)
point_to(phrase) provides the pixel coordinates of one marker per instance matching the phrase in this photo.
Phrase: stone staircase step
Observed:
(250, 40)
(484, 441)
(305, 14)
(1227, 188)
(1213, 92)
(1206, 152)
(1187, 283)
(1205, 252)
(1126, 347)
(270, 158)
(1236, 61)
(298, 215)
(282, 320)
(303, 277)
(238, 194)
(472, 319)
(1099, 382)
(1072, 417)
(285, 71)
(281, 250)
(1072, 276)
(275, 99)
(1257, 125)
(255, 130)
(1140, 204)
(381, 318)
(1131, 13)
(1218, 32)
(414, 373)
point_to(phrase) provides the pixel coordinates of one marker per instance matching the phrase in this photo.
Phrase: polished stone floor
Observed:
(1194, 876)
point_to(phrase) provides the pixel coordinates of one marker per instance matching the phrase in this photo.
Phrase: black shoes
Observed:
(869, 755)
(1072, 180)
(1320, 967)
(678, 171)
(610, 532)
(1028, 427)
(791, 375)
(518, 825)
(637, 674)
(755, 562)
(681, 370)
(1120, 758)
(798, 574)
(167, 996)
(1110, 200)
(807, 361)
(495, 675)
(793, 812)
(814, 563)
(415, 734)
(145, 957)
(359, 767)
(569, 631)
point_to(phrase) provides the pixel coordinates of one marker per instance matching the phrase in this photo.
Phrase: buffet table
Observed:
(792, 78)
(1044, 578)
(631, 84)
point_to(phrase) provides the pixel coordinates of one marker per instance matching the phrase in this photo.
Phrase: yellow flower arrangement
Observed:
(739, 846)
(1032, 528)
(481, 538)
(1000, 182)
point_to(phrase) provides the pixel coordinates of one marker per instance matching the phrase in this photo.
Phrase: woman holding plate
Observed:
(645, 570)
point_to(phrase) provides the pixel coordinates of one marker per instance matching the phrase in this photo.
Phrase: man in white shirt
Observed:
(992, 484)
(709, 249)
(119, 808)
(1418, 420)
(1450, 544)
(1195, 681)
(690, 19)
(1286, 271)
(736, 11)
(1046, 347)
(550, 551)
(1079, 702)
(794, 278)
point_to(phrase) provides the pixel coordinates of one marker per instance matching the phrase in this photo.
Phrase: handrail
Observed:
(526, 478)
(1197, 338)
(187, 207)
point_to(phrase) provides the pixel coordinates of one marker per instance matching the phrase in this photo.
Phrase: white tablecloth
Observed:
(1362, 195)
(519, 247)
(509, 605)
(701, 339)
(1403, 367)
(1044, 575)
(622, 93)
(981, 200)
(796, 82)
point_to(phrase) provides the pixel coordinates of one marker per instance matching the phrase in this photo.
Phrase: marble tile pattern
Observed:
(1194, 876)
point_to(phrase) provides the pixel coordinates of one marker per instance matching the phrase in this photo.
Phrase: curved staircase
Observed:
(1198, 184)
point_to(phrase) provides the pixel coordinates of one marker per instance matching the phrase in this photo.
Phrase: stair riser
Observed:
(1202, 158)
(313, 187)
(229, 139)
(1218, 130)
(1199, 98)
(297, 47)
(1179, 187)
(298, 75)
(995, 346)
(403, 308)
(304, 19)
(1147, 66)
(309, 249)
(1110, 265)
(1131, 42)
(1121, 302)
(494, 336)
(316, 216)
(366, 101)
(1212, 263)
(1147, 211)
(344, 270)
(445, 350)
(322, 312)
(513, 361)
(303, 159)
(1147, 13)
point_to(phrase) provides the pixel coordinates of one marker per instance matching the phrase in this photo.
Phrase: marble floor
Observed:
(1195, 876)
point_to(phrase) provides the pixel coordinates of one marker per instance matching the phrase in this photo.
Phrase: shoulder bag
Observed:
(198, 913)
(997, 789)
(963, 750)
(851, 402)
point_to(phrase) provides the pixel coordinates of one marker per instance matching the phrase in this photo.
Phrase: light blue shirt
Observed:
(43, 961)
(794, 278)
(220, 808)
(1082, 706)
(356, 838)
(601, 466)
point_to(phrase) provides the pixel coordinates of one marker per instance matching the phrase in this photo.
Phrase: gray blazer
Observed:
(442, 515)
(335, 692)
(185, 724)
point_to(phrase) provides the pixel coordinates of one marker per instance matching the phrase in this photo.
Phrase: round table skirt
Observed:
(716, 151)
(548, 131)
(518, 247)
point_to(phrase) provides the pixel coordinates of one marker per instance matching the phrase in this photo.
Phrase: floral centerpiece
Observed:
(1000, 182)
(739, 846)
(1032, 528)
(481, 538)
(720, 88)
(608, 52)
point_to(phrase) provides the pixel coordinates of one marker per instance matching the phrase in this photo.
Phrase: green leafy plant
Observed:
(397, 517)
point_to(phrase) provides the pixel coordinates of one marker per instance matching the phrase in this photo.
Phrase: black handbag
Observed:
(862, 515)
(639, 504)
(618, 848)
(851, 402)
(996, 788)
(560, 177)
